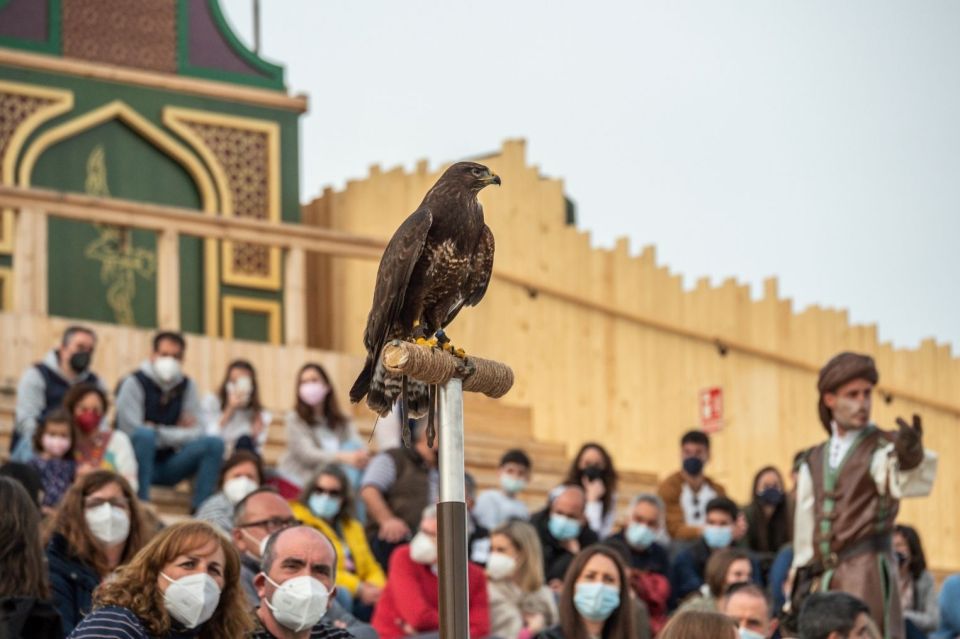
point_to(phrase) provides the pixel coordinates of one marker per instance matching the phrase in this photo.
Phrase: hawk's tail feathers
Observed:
(362, 386)
(384, 389)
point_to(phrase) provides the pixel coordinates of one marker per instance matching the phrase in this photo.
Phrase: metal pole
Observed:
(452, 517)
(256, 26)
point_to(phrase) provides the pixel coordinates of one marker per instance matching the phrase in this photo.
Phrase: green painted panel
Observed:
(191, 284)
(250, 325)
(6, 260)
(102, 273)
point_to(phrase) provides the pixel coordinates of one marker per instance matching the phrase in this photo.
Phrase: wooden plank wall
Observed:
(588, 375)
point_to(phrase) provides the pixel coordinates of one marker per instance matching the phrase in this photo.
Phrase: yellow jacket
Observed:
(365, 566)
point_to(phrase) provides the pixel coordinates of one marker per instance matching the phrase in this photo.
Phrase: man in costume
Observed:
(849, 491)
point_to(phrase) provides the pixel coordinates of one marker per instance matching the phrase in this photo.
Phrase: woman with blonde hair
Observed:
(97, 527)
(697, 624)
(521, 605)
(184, 583)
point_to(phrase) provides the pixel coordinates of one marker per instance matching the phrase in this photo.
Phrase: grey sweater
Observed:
(130, 409)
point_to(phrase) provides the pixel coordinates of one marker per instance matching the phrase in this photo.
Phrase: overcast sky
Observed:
(816, 141)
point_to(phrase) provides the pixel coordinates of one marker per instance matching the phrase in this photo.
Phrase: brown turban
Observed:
(843, 368)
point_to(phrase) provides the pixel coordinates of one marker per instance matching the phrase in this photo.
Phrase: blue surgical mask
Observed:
(512, 485)
(596, 601)
(324, 506)
(718, 536)
(640, 535)
(749, 634)
(563, 528)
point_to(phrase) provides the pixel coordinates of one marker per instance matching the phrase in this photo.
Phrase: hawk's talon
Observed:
(426, 343)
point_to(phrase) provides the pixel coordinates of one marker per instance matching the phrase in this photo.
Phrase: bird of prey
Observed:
(437, 262)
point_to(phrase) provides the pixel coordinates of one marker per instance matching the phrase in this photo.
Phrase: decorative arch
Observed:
(118, 110)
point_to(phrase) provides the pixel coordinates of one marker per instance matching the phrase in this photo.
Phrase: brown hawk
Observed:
(437, 262)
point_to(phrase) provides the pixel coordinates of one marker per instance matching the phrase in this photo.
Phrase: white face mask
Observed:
(423, 549)
(193, 599)
(166, 368)
(298, 603)
(500, 566)
(238, 488)
(109, 524)
(261, 545)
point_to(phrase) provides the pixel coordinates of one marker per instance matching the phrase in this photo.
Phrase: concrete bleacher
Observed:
(491, 427)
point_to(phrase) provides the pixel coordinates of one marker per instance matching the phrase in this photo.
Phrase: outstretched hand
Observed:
(917, 425)
(908, 444)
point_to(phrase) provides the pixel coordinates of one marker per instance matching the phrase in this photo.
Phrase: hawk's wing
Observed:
(480, 271)
(401, 255)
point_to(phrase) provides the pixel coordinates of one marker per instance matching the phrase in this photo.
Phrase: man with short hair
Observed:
(748, 606)
(158, 407)
(409, 604)
(649, 561)
(834, 615)
(498, 506)
(849, 490)
(687, 574)
(396, 486)
(43, 386)
(257, 516)
(563, 531)
(295, 586)
(687, 492)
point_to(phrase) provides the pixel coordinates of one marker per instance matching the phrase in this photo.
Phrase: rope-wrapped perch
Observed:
(433, 366)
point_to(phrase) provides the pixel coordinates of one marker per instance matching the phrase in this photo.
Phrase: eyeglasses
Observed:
(116, 502)
(271, 525)
(324, 491)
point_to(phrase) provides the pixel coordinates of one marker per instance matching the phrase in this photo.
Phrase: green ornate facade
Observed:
(163, 105)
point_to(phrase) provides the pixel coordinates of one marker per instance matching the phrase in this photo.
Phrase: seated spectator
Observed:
(25, 610)
(318, 432)
(189, 567)
(397, 486)
(834, 615)
(28, 477)
(918, 592)
(241, 474)
(695, 624)
(595, 598)
(593, 469)
(158, 407)
(498, 506)
(749, 607)
(687, 492)
(769, 517)
(295, 586)
(687, 575)
(648, 568)
(97, 445)
(410, 602)
(262, 513)
(53, 457)
(726, 567)
(326, 504)
(949, 609)
(235, 414)
(562, 530)
(521, 605)
(99, 527)
(43, 386)
(478, 536)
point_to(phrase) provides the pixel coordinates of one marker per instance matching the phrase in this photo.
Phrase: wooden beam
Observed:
(30, 262)
(168, 280)
(154, 80)
(294, 297)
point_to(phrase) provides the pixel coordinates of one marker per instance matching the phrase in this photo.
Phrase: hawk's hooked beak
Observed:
(492, 179)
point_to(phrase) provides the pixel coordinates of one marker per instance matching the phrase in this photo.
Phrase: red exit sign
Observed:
(711, 409)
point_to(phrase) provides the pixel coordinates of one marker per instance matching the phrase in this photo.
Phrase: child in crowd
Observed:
(53, 456)
(497, 507)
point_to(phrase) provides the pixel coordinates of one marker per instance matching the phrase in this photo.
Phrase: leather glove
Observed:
(908, 443)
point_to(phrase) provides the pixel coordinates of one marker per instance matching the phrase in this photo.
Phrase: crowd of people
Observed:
(336, 542)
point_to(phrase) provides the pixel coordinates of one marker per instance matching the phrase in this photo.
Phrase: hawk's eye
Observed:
(477, 172)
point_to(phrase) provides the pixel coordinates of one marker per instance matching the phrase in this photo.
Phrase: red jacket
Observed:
(411, 598)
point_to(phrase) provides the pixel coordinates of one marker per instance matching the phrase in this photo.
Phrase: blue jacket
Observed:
(72, 583)
(686, 574)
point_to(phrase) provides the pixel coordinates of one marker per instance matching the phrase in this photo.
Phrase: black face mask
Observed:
(693, 466)
(901, 558)
(593, 472)
(79, 362)
(771, 496)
